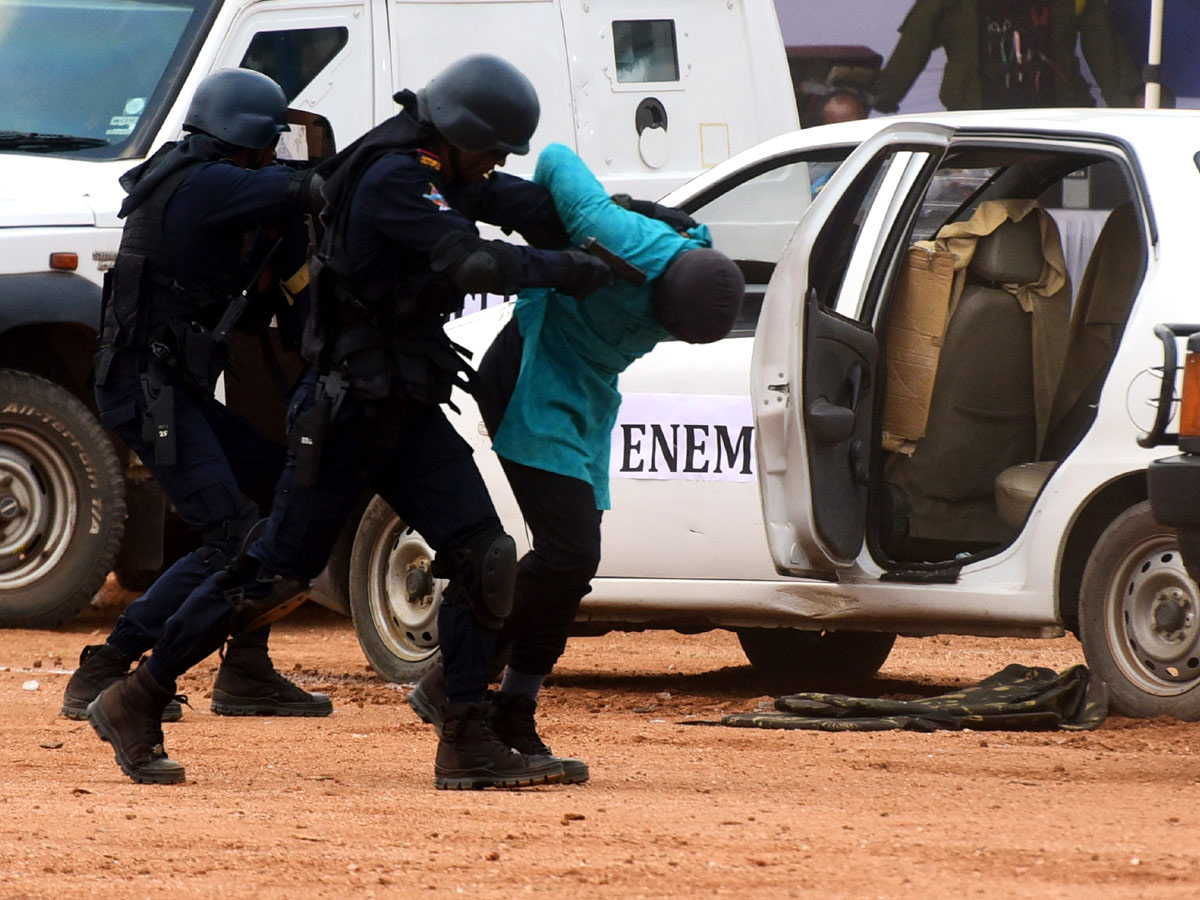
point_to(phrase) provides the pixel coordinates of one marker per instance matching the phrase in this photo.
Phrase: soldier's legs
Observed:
(432, 482)
(204, 487)
(293, 547)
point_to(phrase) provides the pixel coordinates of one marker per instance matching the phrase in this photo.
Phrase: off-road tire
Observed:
(62, 489)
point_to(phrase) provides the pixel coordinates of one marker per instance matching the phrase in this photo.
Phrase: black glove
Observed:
(676, 218)
(582, 274)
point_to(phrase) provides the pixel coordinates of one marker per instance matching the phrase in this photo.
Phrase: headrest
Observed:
(1012, 254)
(699, 296)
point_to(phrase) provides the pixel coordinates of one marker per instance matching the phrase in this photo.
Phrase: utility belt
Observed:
(424, 367)
(422, 370)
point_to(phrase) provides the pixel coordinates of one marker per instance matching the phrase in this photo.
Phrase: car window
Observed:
(845, 250)
(645, 51)
(100, 71)
(752, 217)
(294, 57)
(952, 194)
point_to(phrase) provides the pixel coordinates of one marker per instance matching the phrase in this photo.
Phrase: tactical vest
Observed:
(385, 338)
(144, 308)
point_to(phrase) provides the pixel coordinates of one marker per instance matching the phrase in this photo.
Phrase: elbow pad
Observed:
(477, 266)
(304, 191)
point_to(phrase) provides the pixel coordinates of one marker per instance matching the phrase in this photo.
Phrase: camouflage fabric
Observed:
(1018, 698)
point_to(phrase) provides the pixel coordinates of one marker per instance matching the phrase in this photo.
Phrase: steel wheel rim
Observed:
(39, 506)
(405, 621)
(1151, 619)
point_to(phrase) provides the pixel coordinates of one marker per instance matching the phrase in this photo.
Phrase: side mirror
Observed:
(311, 138)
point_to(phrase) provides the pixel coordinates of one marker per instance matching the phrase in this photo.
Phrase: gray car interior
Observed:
(970, 483)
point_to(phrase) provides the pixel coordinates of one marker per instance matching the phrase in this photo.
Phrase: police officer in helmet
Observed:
(191, 211)
(401, 249)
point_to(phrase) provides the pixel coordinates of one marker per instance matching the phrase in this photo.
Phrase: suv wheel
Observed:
(1139, 619)
(62, 503)
(394, 599)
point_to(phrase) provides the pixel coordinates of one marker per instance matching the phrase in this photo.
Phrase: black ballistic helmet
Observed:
(700, 295)
(481, 103)
(239, 106)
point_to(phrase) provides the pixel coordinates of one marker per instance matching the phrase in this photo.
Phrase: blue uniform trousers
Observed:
(409, 454)
(221, 461)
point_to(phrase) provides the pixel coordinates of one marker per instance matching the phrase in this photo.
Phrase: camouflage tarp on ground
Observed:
(1018, 698)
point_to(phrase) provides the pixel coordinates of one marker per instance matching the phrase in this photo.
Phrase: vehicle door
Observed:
(682, 458)
(651, 86)
(320, 53)
(813, 367)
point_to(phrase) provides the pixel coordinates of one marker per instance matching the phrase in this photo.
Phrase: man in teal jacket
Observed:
(547, 389)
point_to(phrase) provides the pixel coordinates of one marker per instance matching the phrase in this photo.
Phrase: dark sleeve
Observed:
(918, 37)
(514, 204)
(398, 200)
(1107, 56)
(222, 194)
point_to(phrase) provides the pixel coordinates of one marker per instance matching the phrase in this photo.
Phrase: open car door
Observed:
(815, 365)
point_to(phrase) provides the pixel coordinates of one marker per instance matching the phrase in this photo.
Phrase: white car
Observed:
(1007, 494)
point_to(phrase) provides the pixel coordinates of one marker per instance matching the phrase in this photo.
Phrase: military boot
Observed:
(248, 685)
(471, 757)
(99, 666)
(512, 720)
(128, 715)
(428, 698)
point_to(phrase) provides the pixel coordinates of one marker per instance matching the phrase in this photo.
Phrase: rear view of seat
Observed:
(1106, 292)
(982, 415)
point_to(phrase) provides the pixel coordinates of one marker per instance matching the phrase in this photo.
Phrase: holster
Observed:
(158, 419)
(307, 437)
(200, 357)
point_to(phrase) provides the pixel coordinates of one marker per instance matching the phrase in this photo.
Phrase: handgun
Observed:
(622, 268)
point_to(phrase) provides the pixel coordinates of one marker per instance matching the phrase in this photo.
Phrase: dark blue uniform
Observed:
(389, 432)
(221, 460)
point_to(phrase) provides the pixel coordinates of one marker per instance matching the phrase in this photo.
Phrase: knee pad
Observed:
(482, 572)
(257, 596)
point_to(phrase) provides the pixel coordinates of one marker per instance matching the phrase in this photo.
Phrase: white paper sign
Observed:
(695, 437)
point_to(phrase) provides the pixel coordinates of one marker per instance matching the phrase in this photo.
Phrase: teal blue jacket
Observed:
(565, 403)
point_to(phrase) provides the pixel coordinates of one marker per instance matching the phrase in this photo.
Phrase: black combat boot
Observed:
(248, 685)
(471, 757)
(512, 720)
(129, 716)
(99, 666)
(428, 698)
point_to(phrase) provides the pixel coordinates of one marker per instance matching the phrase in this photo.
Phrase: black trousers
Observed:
(423, 468)
(560, 511)
(222, 461)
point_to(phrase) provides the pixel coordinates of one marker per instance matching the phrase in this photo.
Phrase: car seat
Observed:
(982, 415)
(1106, 293)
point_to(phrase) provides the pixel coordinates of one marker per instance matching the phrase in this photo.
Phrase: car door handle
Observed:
(829, 423)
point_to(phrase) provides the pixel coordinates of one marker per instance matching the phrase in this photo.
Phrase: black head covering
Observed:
(700, 295)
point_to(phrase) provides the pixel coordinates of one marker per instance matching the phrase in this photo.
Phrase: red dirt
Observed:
(345, 806)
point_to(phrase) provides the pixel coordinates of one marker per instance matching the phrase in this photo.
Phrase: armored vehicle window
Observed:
(645, 50)
(294, 58)
(92, 78)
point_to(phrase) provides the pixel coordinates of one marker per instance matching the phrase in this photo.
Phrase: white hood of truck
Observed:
(45, 191)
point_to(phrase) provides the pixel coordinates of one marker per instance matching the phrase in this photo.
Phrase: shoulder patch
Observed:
(435, 197)
(428, 159)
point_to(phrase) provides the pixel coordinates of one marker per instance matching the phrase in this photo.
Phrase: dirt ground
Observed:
(345, 806)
